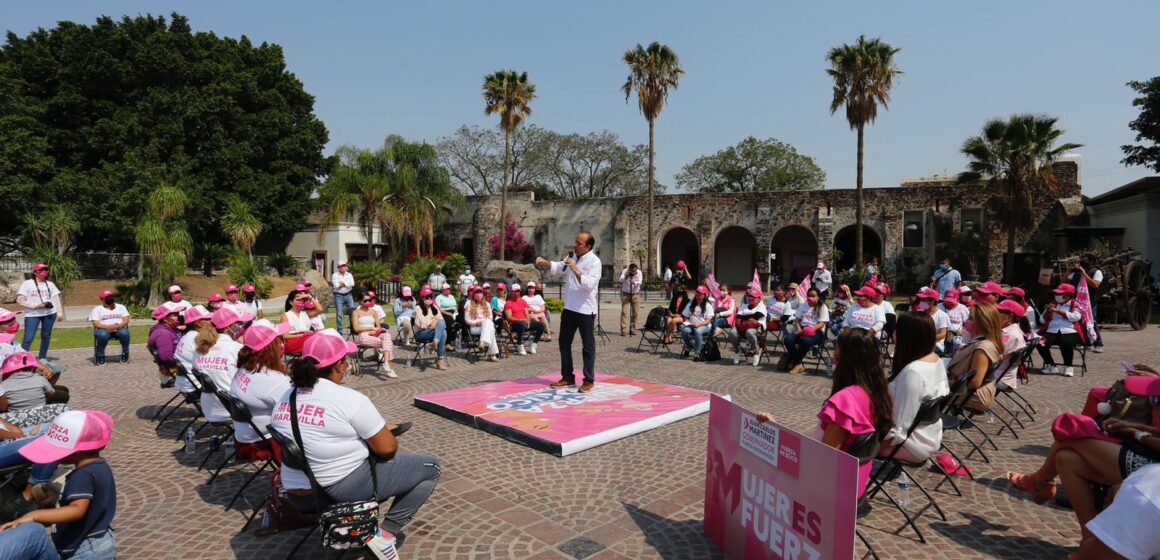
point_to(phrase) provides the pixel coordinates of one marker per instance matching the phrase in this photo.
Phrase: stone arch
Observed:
(846, 242)
(795, 251)
(734, 256)
(679, 244)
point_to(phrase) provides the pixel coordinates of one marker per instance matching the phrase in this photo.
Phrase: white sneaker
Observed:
(1049, 369)
(756, 359)
(390, 373)
(533, 348)
(1098, 349)
(736, 359)
(1069, 372)
(520, 350)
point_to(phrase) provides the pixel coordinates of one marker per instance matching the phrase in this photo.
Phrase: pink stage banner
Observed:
(564, 421)
(772, 493)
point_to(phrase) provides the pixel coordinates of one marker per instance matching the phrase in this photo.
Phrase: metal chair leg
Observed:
(869, 549)
(247, 484)
(929, 498)
(309, 531)
(166, 405)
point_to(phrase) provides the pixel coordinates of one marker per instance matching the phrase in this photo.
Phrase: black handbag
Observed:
(345, 524)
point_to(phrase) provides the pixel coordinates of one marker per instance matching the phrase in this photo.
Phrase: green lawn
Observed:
(64, 338)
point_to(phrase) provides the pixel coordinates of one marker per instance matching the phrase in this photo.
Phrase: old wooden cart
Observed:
(1127, 291)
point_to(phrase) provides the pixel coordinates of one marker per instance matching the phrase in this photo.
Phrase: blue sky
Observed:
(753, 68)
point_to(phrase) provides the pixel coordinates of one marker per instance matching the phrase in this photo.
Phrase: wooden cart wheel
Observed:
(1138, 294)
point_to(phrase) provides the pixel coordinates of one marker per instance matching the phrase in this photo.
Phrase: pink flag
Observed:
(756, 283)
(714, 289)
(803, 287)
(1083, 302)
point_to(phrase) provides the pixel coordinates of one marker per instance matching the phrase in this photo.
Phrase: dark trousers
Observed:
(570, 322)
(519, 327)
(1066, 342)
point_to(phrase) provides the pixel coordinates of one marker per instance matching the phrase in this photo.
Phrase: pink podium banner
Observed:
(564, 421)
(772, 493)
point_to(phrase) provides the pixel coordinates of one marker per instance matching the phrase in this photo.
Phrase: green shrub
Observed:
(62, 268)
(415, 273)
(284, 264)
(370, 273)
(140, 311)
(133, 294)
(554, 305)
(244, 270)
(453, 267)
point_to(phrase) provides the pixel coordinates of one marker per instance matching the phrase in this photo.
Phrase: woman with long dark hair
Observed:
(674, 317)
(430, 326)
(698, 322)
(917, 375)
(344, 437)
(859, 400)
(810, 320)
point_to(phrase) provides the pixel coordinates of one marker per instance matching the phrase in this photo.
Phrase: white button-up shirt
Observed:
(346, 279)
(580, 295)
(630, 283)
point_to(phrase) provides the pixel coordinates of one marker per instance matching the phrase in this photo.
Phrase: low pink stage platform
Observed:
(565, 421)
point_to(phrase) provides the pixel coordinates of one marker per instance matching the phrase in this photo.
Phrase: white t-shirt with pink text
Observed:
(109, 317)
(260, 391)
(220, 364)
(335, 422)
(858, 317)
(184, 354)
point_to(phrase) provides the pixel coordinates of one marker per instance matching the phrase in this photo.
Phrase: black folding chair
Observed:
(191, 398)
(961, 417)
(865, 448)
(240, 413)
(295, 458)
(892, 466)
(209, 387)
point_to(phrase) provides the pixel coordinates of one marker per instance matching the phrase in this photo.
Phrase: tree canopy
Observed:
(1147, 126)
(752, 165)
(97, 116)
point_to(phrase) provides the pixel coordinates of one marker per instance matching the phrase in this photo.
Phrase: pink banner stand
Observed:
(772, 493)
(565, 421)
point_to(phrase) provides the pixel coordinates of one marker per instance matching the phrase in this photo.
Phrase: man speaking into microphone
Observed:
(581, 271)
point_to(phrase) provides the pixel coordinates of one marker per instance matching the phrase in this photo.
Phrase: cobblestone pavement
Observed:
(639, 497)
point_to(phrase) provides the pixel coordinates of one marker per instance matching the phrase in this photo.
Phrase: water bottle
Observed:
(829, 367)
(213, 443)
(265, 522)
(190, 444)
(904, 490)
(228, 449)
(990, 417)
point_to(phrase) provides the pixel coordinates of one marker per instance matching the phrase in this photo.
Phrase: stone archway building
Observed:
(619, 223)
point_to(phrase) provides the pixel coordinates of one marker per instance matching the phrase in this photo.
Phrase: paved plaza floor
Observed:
(639, 497)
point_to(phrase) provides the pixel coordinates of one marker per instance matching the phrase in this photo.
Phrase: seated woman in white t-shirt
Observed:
(300, 324)
(216, 356)
(918, 375)
(863, 313)
(926, 300)
(344, 437)
(261, 380)
(538, 309)
(196, 324)
(110, 320)
(364, 320)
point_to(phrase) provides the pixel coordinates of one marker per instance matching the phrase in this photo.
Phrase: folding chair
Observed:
(208, 386)
(820, 352)
(655, 338)
(865, 448)
(193, 398)
(1004, 390)
(360, 354)
(240, 413)
(961, 416)
(471, 351)
(774, 338)
(928, 413)
(295, 458)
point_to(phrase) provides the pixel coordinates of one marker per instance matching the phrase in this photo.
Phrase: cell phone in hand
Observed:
(1126, 366)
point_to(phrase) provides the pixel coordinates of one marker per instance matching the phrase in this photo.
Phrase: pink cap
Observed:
(216, 297)
(1143, 385)
(927, 293)
(300, 287)
(680, 264)
(425, 291)
(164, 310)
(515, 287)
(174, 289)
(487, 285)
(307, 283)
(248, 288)
(371, 294)
(866, 291)
(17, 362)
(105, 294)
(445, 288)
(965, 290)
(1012, 307)
(226, 316)
(72, 431)
(990, 287)
(1017, 291)
(951, 295)
(262, 332)
(327, 347)
(1064, 289)
(821, 265)
(6, 315)
(341, 264)
(309, 304)
(196, 313)
(702, 290)
(501, 286)
(754, 292)
(882, 288)
(531, 284)
(406, 291)
(231, 288)
(39, 267)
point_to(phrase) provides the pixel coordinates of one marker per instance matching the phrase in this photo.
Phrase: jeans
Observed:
(570, 322)
(437, 335)
(519, 327)
(101, 340)
(10, 457)
(408, 477)
(694, 337)
(27, 542)
(45, 324)
(343, 304)
(797, 344)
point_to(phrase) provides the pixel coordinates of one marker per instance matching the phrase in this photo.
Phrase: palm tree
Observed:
(162, 238)
(1012, 159)
(508, 93)
(422, 195)
(359, 185)
(240, 224)
(652, 71)
(863, 76)
(54, 228)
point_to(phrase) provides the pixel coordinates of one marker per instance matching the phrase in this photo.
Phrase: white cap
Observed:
(341, 263)
(174, 288)
(531, 284)
(445, 286)
(515, 287)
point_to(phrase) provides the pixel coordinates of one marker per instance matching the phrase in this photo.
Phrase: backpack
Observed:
(1126, 406)
(655, 319)
(709, 350)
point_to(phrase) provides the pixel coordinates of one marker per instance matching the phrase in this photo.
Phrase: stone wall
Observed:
(619, 224)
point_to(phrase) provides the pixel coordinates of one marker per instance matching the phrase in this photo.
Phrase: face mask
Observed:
(942, 267)
(1060, 299)
(969, 326)
(812, 301)
(478, 297)
(12, 327)
(109, 301)
(298, 304)
(233, 298)
(532, 292)
(368, 304)
(922, 306)
(950, 304)
(864, 302)
(42, 274)
(175, 297)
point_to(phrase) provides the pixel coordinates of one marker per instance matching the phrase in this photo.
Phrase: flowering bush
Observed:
(516, 247)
